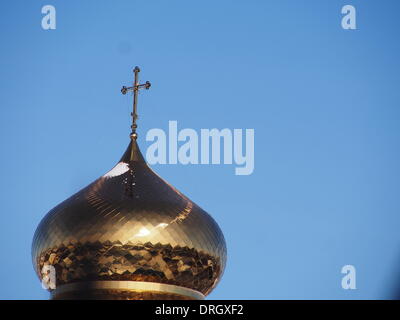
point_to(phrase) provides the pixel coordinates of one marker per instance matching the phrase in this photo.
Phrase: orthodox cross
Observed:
(135, 88)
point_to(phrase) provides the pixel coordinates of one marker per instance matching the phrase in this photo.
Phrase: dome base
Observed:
(123, 290)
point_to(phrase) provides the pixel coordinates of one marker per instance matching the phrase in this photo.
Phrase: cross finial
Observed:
(135, 88)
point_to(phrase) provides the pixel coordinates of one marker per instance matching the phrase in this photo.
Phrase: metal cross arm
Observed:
(145, 85)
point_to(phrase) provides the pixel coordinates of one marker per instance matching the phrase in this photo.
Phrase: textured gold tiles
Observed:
(131, 225)
(154, 263)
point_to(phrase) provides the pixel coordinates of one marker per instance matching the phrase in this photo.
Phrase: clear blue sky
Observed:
(324, 103)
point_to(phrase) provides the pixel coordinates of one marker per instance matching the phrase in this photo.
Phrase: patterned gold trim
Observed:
(127, 286)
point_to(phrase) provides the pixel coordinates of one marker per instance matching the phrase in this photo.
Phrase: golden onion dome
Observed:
(129, 235)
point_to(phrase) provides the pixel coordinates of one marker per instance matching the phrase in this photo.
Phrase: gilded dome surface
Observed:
(130, 235)
(131, 225)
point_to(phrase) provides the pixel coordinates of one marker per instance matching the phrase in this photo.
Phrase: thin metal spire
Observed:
(135, 88)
